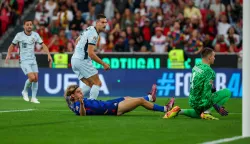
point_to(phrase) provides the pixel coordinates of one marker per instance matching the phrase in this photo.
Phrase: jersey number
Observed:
(24, 45)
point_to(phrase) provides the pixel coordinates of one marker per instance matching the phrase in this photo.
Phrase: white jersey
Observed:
(88, 36)
(159, 43)
(27, 44)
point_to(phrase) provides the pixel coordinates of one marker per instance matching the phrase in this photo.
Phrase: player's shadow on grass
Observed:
(34, 124)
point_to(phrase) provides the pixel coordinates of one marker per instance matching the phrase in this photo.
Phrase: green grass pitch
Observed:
(51, 122)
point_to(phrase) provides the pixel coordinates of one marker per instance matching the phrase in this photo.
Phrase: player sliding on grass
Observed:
(203, 97)
(83, 106)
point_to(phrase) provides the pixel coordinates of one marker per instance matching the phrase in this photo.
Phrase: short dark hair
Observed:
(205, 52)
(27, 20)
(99, 16)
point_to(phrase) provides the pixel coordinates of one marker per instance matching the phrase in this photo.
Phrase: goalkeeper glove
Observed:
(221, 110)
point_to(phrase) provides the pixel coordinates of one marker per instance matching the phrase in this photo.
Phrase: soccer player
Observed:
(83, 106)
(26, 41)
(203, 97)
(84, 54)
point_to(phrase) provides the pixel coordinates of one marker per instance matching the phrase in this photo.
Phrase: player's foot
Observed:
(170, 104)
(25, 95)
(153, 92)
(173, 112)
(34, 100)
(208, 116)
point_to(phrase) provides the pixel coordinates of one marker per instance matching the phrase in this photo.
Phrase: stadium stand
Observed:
(141, 25)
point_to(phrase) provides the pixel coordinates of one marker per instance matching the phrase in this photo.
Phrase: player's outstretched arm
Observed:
(94, 57)
(46, 50)
(10, 49)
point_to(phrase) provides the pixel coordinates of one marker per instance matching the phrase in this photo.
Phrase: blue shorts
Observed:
(113, 106)
(29, 66)
(83, 68)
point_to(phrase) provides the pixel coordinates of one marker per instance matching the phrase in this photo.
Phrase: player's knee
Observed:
(36, 80)
(32, 78)
(99, 83)
(228, 93)
(142, 100)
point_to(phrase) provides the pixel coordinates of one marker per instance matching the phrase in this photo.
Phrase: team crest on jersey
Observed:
(33, 40)
(95, 38)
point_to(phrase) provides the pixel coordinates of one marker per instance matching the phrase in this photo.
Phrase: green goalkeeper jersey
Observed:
(201, 84)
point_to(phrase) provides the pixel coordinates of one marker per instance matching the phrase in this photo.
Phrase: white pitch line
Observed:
(24, 110)
(224, 140)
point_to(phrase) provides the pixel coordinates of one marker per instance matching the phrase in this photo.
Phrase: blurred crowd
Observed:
(143, 25)
(10, 13)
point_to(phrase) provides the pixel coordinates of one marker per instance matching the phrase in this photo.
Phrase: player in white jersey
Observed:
(26, 41)
(84, 54)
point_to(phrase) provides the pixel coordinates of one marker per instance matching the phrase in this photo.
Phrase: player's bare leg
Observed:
(86, 88)
(31, 78)
(130, 104)
(34, 89)
(94, 91)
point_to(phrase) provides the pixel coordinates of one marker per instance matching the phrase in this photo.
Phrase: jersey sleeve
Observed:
(16, 39)
(39, 39)
(92, 38)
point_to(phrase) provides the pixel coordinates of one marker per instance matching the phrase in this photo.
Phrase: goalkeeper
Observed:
(203, 97)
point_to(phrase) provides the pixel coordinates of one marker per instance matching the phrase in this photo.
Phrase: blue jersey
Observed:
(98, 107)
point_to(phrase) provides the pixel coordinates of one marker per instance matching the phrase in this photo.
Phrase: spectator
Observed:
(146, 31)
(190, 10)
(70, 47)
(121, 5)
(44, 33)
(234, 40)
(152, 4)
(194, 44)
(141, 9)
(218, 8)
(127, 19)
(99, 7)
(159, 41)
(109, 9)
(41, 12)
(207, 42)
(138, 37)
(132, 47)
(223, 25)
(120, 46)
(78, 22)
(65, 16)
(110, 43)
(221, 44)
(50, 5)
(176, 37)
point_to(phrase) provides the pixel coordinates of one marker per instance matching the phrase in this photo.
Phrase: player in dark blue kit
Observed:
(83, 106)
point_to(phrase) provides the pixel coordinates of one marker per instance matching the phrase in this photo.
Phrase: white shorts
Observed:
(29, 66)
(83, 68)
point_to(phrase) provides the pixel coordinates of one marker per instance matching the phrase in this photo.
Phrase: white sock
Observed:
(165, 109)
(150, 98)
(207, 111)
(85, 89)
(27, 85)
(94, 92)
(34, 89)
